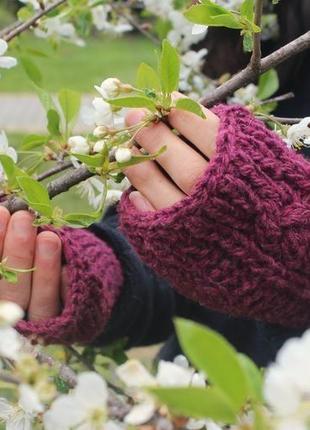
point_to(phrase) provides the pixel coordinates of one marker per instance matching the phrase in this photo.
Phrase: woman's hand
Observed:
(162, 183)
(37, 292)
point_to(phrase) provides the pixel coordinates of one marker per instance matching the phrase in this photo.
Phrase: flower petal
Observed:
(7, 62)
(91, 390)
(3, 46)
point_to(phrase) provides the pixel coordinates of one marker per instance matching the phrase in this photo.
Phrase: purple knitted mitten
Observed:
(240, 243)
(94, 284)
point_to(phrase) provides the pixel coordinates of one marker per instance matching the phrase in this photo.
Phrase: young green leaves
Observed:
(211, 14)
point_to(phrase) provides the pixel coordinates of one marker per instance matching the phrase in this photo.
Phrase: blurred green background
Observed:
(69, 66)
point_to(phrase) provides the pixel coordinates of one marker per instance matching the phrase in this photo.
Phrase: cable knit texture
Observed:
(240, 243)
(94, 284)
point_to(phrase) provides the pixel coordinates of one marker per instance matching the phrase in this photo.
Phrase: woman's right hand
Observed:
(39, 292)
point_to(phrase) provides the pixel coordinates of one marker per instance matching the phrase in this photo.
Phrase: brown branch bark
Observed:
(247, 75)
(9, 34)
(255, 62)
(54, 170)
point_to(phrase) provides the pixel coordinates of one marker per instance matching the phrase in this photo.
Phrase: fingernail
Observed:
(22, 226)
(47, 248)
(139, 202)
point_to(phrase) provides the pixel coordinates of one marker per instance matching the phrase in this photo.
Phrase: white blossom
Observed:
(10, 313)
(36, 3)
(244, 96)
(101, 16)
(56, 27)
(78, 145)
(109, 88)
(85, 408)
(199, 29)
(21, 416)
(100, 114)
(10, 343)
(93, 190)
(123, 155)
(299, 134)
(287, 382)
(99, 145)
(6, 62)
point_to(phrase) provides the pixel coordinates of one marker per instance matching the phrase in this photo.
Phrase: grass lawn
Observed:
(79, 68)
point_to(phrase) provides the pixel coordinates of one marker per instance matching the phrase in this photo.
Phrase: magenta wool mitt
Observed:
(240, 243)
(94, 284)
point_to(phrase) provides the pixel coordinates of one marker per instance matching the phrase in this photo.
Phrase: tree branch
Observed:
(54, 170)
(9, 33)
(247, 75)
(255, 62)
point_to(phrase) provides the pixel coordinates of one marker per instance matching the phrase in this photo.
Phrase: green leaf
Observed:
(247, 9)
(53, 125)
(8, 167)
(36, 195)
(211, 16)
(169, 68)
(33, 141)
(147, 78)
(10, 276)
(32, 71)
(254, 378)
(78, 220)
(197, 402)
(45, 98)
(190, 106)
(248, 42)
(268, 84)
(70, 102)
(133, 101)
(211, 353)
(90, 160)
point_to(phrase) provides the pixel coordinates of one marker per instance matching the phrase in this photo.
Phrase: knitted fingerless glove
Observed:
(240, 243)
(94, 284)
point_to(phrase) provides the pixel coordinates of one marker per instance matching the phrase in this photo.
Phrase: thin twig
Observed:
(246, 76)
(9, 28)
(255, 62)
(135, 24)
(277, 99)
(10, 379)
(9, 34)
(54, 170)
(288, 121)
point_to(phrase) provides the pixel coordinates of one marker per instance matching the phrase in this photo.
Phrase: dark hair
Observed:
(225, 54)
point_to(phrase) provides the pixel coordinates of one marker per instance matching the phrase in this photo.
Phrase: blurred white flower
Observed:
(36, 3)
(194, 59)
(101, 20)
(10, 343)
(287, 382)
(93, 190)
(85, 408)
(57, 28)
(21, 416)
(100, 114)
(10, 313)
(244, 96)
(199, 29)
(137, 377)
(123, 155)
(109, 88)
(78, 145)
(6, 149)
(6, 62)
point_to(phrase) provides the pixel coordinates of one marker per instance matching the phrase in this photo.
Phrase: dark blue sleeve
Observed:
(147, 305)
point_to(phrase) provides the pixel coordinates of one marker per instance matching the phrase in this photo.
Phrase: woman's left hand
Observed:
(172, 176)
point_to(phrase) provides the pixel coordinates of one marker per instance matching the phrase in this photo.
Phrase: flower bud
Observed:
(98, 147)
(78, 145)
(109, 88)
(10, 313)
(100, 131)
(122, 155)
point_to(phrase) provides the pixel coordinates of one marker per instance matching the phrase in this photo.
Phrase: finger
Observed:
(201, 132)
(45, 293)
(4, 221)
(154, 185)
(19, 246)
(182, 163)
(140, 202)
